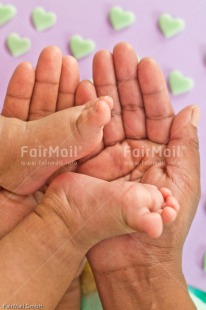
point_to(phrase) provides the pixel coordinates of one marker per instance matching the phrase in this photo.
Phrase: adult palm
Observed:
(145, 141)
(33, 95)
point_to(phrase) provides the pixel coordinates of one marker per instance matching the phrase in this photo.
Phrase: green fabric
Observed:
(200, 305)
(198, 293)
(91, 302)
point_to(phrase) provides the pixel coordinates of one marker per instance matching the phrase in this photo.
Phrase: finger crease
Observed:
(18, 97)
(106, 85)
(159, 117)
(132, 107)
(66, 93)
(47, 82)
(155, 92)
(127, 80)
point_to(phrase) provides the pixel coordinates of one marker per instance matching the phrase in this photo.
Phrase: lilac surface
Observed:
(185, 52)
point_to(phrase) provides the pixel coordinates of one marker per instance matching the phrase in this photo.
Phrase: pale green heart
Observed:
(121, 19)
(170, 26)
(17, 45)
(43, 20)
(7, 12)
(80, 47)
(180, 84)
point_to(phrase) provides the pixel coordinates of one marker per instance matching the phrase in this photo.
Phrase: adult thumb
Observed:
(185, 124)
(184, 140)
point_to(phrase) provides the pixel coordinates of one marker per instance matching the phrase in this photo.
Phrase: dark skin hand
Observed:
(143, 117)
(142, 98)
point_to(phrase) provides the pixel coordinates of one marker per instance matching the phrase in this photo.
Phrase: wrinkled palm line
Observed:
(79, 230)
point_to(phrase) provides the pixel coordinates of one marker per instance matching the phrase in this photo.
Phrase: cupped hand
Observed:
(144, 142)
(34, 94)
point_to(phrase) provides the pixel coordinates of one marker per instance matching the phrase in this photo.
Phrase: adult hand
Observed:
(143, 119)
(70, 220)
(33, 95)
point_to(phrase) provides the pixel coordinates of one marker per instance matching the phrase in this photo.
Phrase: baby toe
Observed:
(165, 192)
(151, 224)
(168, 215)
(173, 203)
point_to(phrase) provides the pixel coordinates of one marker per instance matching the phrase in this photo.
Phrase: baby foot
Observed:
(41, 147)
(94, 210)
(56, 74)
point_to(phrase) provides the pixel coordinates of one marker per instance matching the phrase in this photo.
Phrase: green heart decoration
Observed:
(121, 19)
(43, 20)
(81, 47)
(7, 12)
(17, 45)
(170, 26)
(180, 84)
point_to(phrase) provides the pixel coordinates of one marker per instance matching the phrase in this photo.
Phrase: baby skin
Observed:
(77, 212)
(133, 206)
(74, 216)
(76, 205)
(72, 127)
(77, 131)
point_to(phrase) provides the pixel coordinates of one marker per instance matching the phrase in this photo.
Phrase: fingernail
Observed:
(195, 116)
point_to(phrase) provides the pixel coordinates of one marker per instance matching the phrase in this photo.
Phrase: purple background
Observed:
(185, 52)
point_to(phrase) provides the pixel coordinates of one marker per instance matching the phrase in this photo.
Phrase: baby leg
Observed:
(49, 143)
(100, 209)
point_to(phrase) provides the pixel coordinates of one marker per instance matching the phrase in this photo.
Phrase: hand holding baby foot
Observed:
(65, 225)
(142, 119)
(78, 131)
(154, 208)
(33, 95)
(61, 137)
